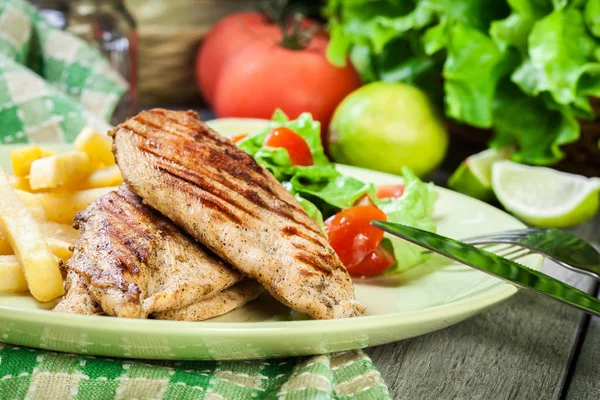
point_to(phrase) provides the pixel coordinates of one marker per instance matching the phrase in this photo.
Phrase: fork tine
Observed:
(505, 235)
(494, 236)
(511, 250)
(491, 240)
(522, 253)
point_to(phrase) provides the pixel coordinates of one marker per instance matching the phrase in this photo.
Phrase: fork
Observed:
(561, 247)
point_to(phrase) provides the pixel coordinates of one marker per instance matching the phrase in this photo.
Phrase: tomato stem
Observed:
(295, 36)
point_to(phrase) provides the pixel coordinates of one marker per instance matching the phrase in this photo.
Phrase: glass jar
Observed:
(108, 25)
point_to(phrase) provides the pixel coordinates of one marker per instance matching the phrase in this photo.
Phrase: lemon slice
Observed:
(543, 196)
(473, 176)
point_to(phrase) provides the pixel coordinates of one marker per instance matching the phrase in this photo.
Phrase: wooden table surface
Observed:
(528, 347)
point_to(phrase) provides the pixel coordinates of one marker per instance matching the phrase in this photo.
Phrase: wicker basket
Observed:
(169, 35)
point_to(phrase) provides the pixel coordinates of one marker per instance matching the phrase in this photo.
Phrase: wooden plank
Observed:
(518, 349)
(585, 382)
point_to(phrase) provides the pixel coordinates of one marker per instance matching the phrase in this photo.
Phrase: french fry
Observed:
(59, 170)
(11, 275)
(5, 248)
(60, 248)
(22, 158)
(33, 203)
(103, 177)
(97, 146)
(40, 267)
(20, 182)
(61, 207)
(61, 232)
(64, 232)
(59, 237)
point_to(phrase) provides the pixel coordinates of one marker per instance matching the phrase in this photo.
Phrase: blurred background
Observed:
(427, 84)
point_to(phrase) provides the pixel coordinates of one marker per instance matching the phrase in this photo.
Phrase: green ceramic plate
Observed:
(429, 297)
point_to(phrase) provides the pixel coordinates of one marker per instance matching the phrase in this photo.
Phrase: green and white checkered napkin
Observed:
(32, 374)
(52, 85)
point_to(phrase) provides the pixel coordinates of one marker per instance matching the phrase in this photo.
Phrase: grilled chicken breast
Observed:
(222, 197)
(218, 304)
(135, 262)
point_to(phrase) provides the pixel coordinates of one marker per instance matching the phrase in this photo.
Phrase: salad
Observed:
(343, 206)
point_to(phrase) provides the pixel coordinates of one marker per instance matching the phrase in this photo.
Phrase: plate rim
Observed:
(462, 307)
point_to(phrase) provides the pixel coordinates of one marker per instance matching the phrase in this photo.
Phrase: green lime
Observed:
(387, 126)
(543, 196)
(474, 175)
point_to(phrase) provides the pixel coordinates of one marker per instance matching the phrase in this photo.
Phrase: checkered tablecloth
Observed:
(32, 374)
(52, 83)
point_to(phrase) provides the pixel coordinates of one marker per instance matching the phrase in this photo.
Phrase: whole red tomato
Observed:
(265, 74)
(224, 40)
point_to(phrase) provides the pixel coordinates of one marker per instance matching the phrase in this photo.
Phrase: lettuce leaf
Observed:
(323, 191)
(414, 208)
(526, 123)
(559, 48)
(277, 160)
(514, 29)
(592, 17)
(461, 51)
(470, 91)
(320, 183)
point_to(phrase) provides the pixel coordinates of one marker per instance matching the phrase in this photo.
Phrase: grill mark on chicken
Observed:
(319, 262)
(293, 231)
(301, 269)
(221, 160)
(184, 185)
(169, 166)
(135, 261)
(174, 161)
(179, 171)
(195, 182)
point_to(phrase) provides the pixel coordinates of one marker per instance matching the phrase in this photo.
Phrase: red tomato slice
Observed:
(390, 191)
(296, 147)
(239, 138)
(374, 263)
(351, 234)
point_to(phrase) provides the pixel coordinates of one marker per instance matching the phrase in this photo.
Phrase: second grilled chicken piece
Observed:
(221, 303)
(224, 199)
(135, 262)
(79, 301)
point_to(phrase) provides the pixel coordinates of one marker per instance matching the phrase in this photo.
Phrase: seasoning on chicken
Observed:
(135, 262)
(220, 303)
(78, 299)
(223, 198)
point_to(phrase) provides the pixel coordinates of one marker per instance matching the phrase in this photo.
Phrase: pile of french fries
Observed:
(38, 204)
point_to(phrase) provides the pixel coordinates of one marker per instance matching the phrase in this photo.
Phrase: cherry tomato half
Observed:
(374, 263)
(296, 147)
(351, 234)
(390, 191)
(239, 138)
